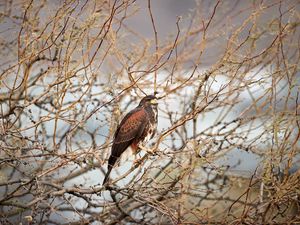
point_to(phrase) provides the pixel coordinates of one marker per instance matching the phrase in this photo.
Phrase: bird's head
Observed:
(149, 100)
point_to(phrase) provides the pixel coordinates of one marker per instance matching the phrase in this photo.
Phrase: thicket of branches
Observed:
(69, 72)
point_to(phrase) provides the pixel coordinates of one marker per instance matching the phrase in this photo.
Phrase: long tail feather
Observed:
(109, 168)
(117, 150)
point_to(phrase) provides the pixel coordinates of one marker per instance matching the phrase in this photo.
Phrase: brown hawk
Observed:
(137, 127)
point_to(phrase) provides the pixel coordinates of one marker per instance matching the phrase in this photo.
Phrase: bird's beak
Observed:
(154, 102)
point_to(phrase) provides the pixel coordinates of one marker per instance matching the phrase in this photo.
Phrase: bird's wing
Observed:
(132, 126)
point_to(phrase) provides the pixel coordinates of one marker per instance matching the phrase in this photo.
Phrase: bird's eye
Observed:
(153, 101)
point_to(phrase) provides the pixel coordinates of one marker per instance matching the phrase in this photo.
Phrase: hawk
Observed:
(136, 128)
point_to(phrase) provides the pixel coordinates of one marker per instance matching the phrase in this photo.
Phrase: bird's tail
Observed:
(112, 160)
(109, 168)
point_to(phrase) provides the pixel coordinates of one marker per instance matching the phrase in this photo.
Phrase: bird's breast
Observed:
(151, 125)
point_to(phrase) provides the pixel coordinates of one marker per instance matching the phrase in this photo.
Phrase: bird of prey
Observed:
(136, 128)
